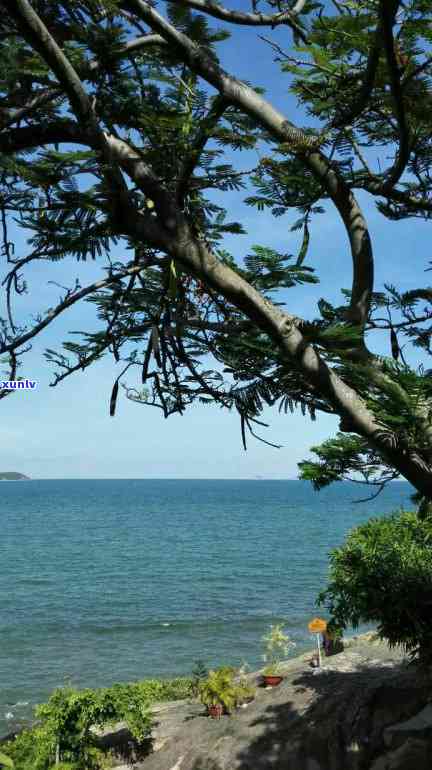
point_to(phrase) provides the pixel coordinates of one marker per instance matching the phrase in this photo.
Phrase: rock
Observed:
(412, 755)
(363, 710)
(418, 726)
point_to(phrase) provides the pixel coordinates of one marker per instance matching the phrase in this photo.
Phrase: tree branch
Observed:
(127, 157)
(238, 93)
(86, 72)
(131, 47)
(28, 137)
(9, 117)
(69, 300)
(204, 133)
(218, 11)
(355, 109)
(388, 12)
(282, 327)
(377, 187)
(37, 35)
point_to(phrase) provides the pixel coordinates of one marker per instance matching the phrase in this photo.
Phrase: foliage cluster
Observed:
(199, 673)
(361, 73)
(224, 687)
(65, 724)
(382, 574)
(276, 648)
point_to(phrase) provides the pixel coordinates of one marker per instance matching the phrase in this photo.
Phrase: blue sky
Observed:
(66, 432)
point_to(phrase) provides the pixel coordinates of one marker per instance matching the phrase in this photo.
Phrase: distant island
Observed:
(13, 476)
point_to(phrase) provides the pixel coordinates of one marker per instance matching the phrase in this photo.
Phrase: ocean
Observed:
(103, 581)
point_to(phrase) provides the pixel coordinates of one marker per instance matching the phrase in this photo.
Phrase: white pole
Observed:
(319, 649)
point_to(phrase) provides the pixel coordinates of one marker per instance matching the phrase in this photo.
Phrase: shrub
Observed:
(29, 750)
(155, 690)
(67, 719)
(66, 722)
(383, 574)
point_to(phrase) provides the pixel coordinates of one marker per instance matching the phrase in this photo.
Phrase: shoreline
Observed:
(367, 642)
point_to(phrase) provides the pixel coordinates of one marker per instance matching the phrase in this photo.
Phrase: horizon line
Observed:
(185, 478)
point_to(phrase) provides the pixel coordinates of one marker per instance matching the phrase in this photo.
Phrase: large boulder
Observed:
(364, 710)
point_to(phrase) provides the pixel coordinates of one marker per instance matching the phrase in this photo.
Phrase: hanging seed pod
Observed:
(146, 362)
(113, 399)
(304, 247)
(155, 344)
(395, 349)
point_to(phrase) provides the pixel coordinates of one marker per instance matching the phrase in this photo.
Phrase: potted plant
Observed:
(276, 648)
(219, 692)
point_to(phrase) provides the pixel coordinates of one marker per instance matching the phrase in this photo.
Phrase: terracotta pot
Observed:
(271, 680)
(215, 712)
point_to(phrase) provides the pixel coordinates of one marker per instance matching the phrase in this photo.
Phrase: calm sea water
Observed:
(105, 581)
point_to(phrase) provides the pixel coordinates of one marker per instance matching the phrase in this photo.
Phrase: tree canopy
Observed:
(119, 124)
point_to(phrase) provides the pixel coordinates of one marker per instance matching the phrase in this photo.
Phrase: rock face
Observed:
(365, 709)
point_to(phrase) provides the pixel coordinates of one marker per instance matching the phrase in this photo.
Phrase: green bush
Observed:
(383, 575)
(29, 750)
(65, 722)
(156, 690)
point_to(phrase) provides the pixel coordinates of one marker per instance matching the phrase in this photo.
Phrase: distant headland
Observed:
(13, 476)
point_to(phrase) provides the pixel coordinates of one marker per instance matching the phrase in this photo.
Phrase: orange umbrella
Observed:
(317, 626)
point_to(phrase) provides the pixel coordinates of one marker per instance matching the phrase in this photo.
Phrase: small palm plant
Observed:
(219, 689)
(276, 648)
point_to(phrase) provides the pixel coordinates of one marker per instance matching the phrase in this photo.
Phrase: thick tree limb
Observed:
(86, 72)
(27, 137)
(178, 240)
(9, 117)
(377, 187)
(123, 154)
(283, 328)
(37, 35)
(238, 93)
(388, 11)
(218, 11)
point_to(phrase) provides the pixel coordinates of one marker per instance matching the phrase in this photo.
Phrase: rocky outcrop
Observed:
(365, 709)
